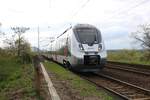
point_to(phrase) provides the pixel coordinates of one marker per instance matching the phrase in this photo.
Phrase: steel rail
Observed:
(120, 81)
(128, 92)
(145, 91)
(133, 70)
(139, 66)
(106, 88)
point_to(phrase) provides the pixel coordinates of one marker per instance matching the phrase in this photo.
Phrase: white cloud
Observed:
(114, 17)
(119, 43)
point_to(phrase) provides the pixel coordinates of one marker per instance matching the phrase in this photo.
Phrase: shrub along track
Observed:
(121, 88)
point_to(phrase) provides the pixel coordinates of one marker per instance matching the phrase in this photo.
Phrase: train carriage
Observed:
(81, 48)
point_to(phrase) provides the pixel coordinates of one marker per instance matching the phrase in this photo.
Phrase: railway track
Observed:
(137, 66)
(123, 89)
(134, 68)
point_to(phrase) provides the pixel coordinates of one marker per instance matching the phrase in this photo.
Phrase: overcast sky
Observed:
(115, 18)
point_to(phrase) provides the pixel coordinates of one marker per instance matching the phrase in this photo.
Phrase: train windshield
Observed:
(88, 35)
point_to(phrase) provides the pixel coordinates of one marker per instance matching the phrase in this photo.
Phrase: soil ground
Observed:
(66, 92)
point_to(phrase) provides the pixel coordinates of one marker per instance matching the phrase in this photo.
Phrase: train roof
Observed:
(76, 26)
(83, 26)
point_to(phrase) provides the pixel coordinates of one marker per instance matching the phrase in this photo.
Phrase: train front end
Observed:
(88, 53)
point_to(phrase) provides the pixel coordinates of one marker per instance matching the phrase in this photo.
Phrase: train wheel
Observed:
(69, 66)
(65, 64)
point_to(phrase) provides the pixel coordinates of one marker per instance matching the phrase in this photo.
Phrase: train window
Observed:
(87, 35)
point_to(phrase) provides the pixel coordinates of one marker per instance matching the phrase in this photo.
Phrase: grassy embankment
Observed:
(129, 56)
(84, 87)
(16, 80)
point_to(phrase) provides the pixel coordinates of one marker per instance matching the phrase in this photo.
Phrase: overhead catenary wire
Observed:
(79, 9)
(122, 12)
(116, 13)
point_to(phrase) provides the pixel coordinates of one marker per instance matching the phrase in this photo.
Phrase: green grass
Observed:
(16, 77)
(84, 87)
(129, 56)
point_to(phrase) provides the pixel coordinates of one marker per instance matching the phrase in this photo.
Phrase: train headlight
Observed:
(99, 47)
(81, 47)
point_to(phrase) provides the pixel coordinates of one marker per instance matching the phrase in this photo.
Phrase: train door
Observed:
(66, 48)
(56, 46)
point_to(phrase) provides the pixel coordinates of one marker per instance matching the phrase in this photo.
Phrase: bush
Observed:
(131, 56)
(146, 55)
(16, 79)
(25, 58)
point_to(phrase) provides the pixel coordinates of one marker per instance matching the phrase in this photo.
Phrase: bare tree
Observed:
(19, 31)
(1, 33)
(143, 36)
(0, 27)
